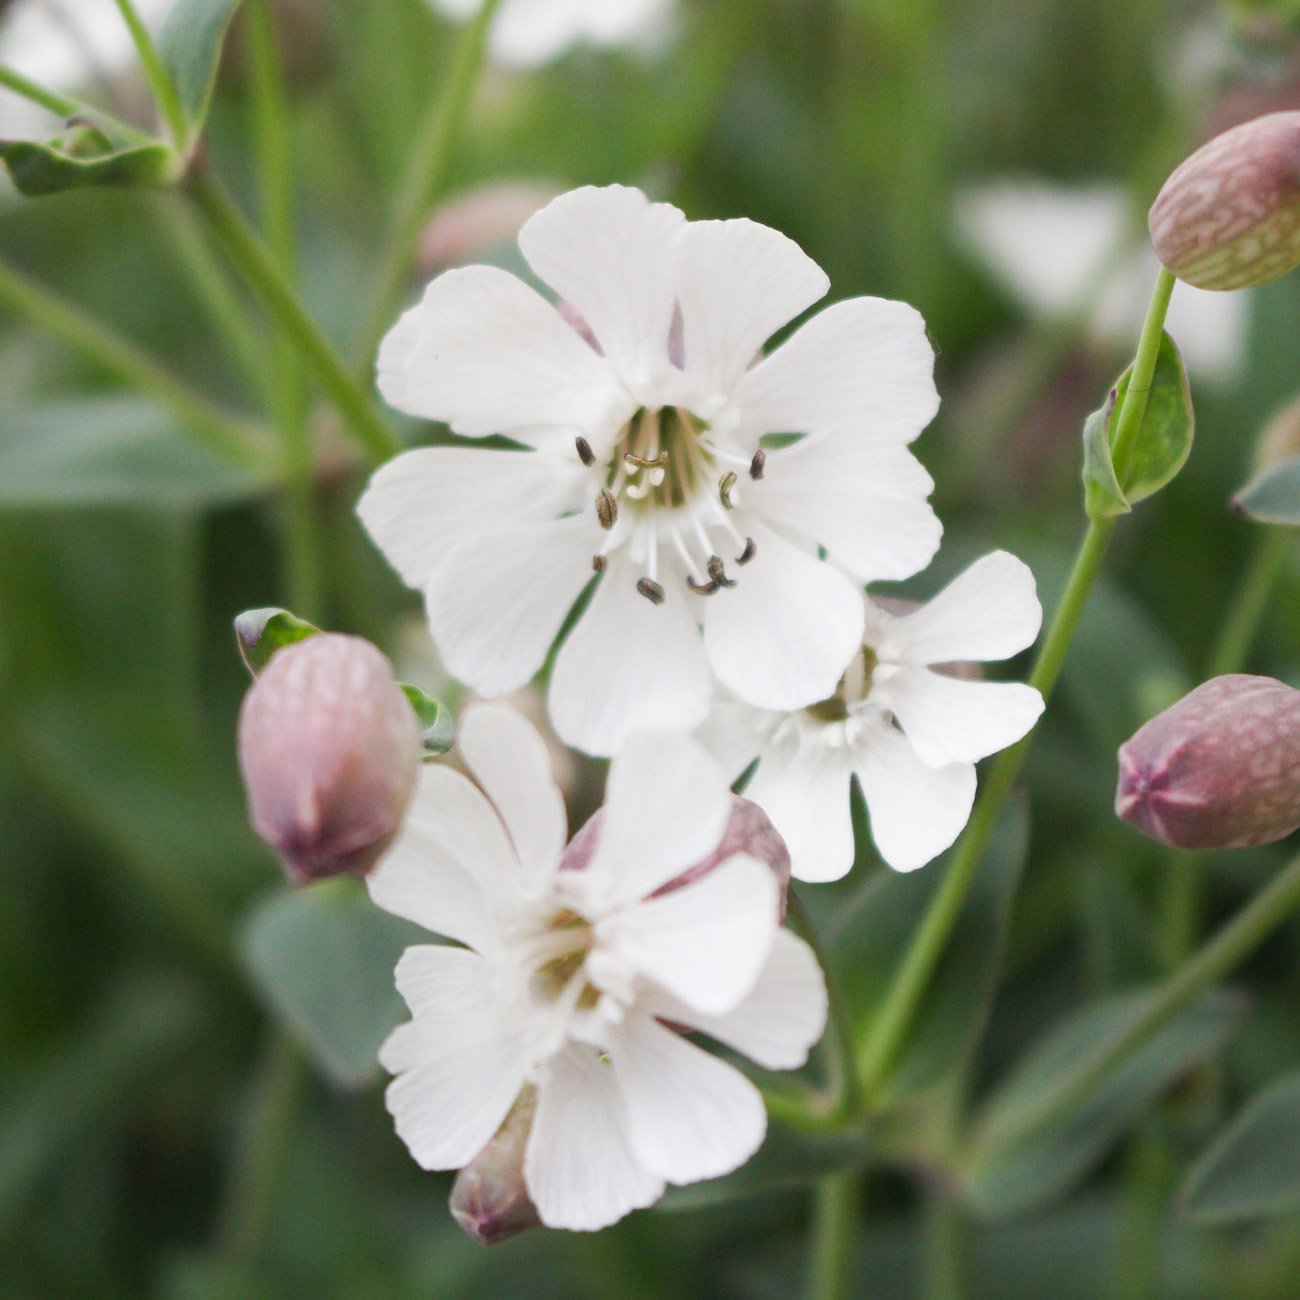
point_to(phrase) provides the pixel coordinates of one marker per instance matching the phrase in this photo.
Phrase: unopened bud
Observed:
(1218, 770)
(329, 747)
(1229, 217)
(489, 1199)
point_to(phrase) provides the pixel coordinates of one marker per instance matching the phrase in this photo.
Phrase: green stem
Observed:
(1249, 604)
(258, 265)
(262, 1155)
(160, 82)
(1128, 420)
(947, 1247)
(226, 435)
(58, 104)
(274, 149)
(834, 1237)
(1148, 1180)
(1234, 942)
(426, 174)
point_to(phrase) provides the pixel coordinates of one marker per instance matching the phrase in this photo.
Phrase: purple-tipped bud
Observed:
(748, 830)
(1229, 217)
(329, 748)
(1218, 770)
(489, 1199)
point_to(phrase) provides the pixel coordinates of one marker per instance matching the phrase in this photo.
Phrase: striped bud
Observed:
(1218, 770)
(1229, 217)
(489, 1198)
(329, 747)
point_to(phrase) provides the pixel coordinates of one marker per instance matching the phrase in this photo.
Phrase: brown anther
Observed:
(701, 588)
(642, 462)
(651, 590)
(598, 563)
(748, 553)
(585, 453)
(756, 465)
(725, 484)
(606, 509)
(718, 573)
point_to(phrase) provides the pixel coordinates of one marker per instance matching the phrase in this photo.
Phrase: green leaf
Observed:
(259, 633)
(874, 934)
(1008, 1174)
(323, 958)
(1156, 453)
(1253, 1167)
(437, 726)
(79, 160)
(1272, 496)
(109, 449)
(190, 44)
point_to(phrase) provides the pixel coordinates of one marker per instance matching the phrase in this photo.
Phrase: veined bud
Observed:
(1229, 217)
(1218, 770)
(329, 747)
(489, 1198)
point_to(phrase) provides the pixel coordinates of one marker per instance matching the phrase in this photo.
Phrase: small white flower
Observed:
(643, 423)
(1062, 249)
(569, 977)
(910, 732)
(526, 33)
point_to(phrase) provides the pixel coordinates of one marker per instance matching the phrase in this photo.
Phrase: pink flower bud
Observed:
(489, 1199)
(329, 747)
(1218, 770)
(1229, 217)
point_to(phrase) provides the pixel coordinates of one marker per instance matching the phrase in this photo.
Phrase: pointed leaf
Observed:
(437, 726)
(190, 43)
(1102, 494)
(259, 633)
(1272, 496)
(40, 167)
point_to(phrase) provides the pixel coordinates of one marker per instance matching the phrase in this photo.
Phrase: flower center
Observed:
(854, 687)
(666, 484)
(556, 958)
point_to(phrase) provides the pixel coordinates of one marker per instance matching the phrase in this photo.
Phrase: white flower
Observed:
(526, 33)
(909, 733)
(1062, 249)
(644, 462)
(569, 978)
(67, 46)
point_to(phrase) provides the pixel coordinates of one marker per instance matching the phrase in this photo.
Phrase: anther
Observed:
(701, 588)
(643, 462)
(756, 465)
(606, 509)
(718, 573)
(651, 590)
(748, 553)
(585, 453)
(725, 484)
(598, 563)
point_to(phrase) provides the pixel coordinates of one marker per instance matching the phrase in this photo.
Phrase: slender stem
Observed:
(274, 150)
(947, 1247)
(1148, 1180)
(262, 1154)
(58, 104)
(1250, 602)
(258, 265)
(1128, 420)
(160, 82)
(1234, 942)
(834, 1237)
(224, 434)
(426, 174)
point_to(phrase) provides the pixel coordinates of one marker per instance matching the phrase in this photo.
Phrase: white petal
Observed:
(487, 354)
(628, 665)
(449, 861)
(690, 1115)
(707, 942)
(458, 1071)
(866, 504)
(510, 761)
(863, 367)
(608, 252)
(780, 1020)
(737, 284)
(666, 805)
(916, 811)
(990, 611)
(579, 1166)
(731, 733)
(781, 638)
(496, 603)
(808, 802)
(422, 503)
(948, 720)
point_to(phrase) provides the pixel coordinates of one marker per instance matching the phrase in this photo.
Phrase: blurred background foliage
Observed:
(159, 1136)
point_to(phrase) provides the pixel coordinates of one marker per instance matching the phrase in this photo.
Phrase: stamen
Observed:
(606, 509)
(701, 588)
(643, 462)
(725, 484)
(748, 553)
(756, 465)
(652, 591)
(585, 453)
(718, 573)
(598, 563)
